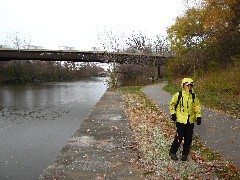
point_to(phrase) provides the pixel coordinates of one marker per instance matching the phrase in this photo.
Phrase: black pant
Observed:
(183, 131)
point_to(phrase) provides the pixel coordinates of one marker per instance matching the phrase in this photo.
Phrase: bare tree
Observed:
(162, 46)
(112, 41)
(139, 43)
(139, 71)
(16, 41)
(192, 3)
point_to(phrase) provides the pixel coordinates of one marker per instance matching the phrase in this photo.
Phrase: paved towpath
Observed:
(101, 148)
(218, 131)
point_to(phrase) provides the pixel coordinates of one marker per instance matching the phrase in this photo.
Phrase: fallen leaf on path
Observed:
(115, 165)
(171, 169)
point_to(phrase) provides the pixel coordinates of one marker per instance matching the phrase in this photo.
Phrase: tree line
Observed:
(43, 71)
(206, 37)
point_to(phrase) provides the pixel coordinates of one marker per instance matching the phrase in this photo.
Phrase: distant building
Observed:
(97, 49)
(66, 48)
(35, 47)
(3, 46)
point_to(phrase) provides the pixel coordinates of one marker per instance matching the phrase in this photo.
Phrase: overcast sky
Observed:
(77, 23)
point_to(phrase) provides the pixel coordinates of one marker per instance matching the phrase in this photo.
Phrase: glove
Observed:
(199, 119)
(174, 117)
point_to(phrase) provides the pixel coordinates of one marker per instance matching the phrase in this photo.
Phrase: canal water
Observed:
(36, 121)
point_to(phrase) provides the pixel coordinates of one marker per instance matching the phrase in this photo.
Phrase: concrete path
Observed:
(218, 131)
(101, 148)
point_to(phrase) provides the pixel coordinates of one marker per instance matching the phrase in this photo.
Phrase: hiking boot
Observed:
(173, 156)
(184, 157)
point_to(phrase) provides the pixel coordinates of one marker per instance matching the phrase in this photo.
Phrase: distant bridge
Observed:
(80, 56)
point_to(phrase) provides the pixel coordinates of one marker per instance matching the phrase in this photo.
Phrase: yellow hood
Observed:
(186, 80)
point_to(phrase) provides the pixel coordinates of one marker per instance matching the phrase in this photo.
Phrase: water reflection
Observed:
(48, 94)
(37, 120)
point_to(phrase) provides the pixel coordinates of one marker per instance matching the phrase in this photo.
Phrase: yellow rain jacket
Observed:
(186, 108)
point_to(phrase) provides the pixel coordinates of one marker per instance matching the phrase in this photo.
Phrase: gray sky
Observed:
(77, 23)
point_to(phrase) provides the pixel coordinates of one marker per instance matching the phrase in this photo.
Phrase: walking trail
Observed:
(218, 131)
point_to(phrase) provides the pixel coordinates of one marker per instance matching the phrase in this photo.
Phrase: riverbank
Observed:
(104, 146)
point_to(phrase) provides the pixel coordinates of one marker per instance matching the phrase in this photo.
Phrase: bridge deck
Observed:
(76, 56)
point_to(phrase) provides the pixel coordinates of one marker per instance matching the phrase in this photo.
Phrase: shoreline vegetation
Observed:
(22, 72)
(219, 90)
(153, 134)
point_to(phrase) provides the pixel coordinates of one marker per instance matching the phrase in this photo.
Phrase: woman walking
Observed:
(185, 110)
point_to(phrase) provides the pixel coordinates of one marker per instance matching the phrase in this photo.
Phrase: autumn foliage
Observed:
(204, 37)
(206, 45)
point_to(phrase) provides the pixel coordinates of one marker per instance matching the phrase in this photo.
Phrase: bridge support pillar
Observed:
(158, 71)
